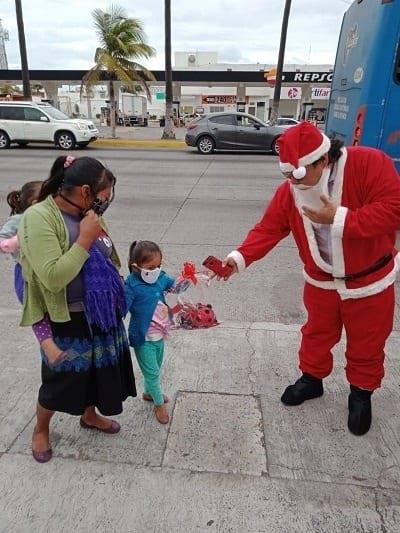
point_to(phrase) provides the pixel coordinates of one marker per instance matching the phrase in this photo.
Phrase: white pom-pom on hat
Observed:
(299, 173)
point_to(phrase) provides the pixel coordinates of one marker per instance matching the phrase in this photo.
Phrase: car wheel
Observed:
(65, 140)
(275, 146)
(22, 143)
(4, 140)
(206, 145)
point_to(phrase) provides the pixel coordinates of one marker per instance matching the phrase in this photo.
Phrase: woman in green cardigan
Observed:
(70, 271)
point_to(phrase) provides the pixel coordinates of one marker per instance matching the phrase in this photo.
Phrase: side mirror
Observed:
(44, 119)
(257, 126)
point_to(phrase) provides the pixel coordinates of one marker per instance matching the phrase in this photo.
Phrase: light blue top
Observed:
(9, 230)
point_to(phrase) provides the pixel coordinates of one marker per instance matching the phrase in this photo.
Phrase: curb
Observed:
(138, 144)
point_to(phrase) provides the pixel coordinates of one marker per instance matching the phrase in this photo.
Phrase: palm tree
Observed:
(122, 42)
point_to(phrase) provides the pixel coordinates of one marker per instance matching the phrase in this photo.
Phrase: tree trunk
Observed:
(22, 51)
(112, 109)
(169, 124)
(279, 69)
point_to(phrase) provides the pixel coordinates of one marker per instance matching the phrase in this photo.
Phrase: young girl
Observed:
(19, 201)
(150, 320)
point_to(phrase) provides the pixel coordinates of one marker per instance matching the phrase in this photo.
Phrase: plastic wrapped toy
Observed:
(191, 311)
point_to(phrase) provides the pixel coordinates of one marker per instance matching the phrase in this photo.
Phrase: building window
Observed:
(217, 109)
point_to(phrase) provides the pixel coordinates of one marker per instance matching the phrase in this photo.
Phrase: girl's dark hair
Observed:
(142, 251)
(20, 200)
(82, 171)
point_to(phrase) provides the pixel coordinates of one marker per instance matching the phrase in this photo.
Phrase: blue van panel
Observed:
(364, 76)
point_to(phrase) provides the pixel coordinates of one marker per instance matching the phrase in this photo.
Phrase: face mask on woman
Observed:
(98, 205)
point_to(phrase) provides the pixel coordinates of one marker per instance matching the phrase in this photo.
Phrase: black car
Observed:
(232, 131)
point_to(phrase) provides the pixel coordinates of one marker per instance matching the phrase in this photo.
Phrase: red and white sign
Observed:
(221, 99)
(291, 93)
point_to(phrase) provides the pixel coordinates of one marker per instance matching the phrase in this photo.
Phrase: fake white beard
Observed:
(311, 197)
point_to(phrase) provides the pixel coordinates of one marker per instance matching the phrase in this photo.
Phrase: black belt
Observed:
(383, 261)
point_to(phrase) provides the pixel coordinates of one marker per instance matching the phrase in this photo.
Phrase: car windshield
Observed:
(54, 113)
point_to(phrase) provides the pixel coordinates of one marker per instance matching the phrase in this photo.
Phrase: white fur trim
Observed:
(337, 229)
(286, 167)
(239, 260)
(329, 285)
(361, 292)
(312, 241)
(322, 149)
(313, 245)
(373, 288)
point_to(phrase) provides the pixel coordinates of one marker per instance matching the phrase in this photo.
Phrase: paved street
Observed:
(233, 458)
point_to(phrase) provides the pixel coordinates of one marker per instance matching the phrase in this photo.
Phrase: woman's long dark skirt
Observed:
(97, 371)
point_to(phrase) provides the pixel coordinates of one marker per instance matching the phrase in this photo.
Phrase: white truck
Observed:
(133, 110)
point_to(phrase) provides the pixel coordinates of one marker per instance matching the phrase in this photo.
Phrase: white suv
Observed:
(24, 122)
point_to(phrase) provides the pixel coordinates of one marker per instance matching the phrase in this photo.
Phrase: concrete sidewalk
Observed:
(139, 137)
(233, 458)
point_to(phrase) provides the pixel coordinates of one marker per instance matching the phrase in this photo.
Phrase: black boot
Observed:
(360, 412)
(305, 388)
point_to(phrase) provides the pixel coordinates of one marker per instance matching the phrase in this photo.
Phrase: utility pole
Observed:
(281, 58)
(168, 128)
(22, 51)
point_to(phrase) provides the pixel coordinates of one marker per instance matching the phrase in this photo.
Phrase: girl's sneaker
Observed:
(148, 398)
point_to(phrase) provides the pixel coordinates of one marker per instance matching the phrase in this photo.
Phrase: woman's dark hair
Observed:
(20, 200)
(65, 175)
(142, 251)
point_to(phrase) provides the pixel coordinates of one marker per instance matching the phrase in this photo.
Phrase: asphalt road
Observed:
(193, 206)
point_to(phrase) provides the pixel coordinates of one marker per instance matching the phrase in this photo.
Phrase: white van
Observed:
(24, 122)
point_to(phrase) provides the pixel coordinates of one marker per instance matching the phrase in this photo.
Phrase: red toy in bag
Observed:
(191, 315)
(197, 316)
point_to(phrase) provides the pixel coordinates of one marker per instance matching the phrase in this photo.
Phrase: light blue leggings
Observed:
(150, 357)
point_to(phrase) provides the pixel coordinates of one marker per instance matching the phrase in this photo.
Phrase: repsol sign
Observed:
(307, 77)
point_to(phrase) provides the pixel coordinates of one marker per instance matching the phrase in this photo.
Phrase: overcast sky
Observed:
(60, 33)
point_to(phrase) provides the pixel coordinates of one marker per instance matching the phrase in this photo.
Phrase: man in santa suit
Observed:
(342, 206)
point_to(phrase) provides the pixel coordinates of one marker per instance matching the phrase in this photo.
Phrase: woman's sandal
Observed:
(114, 427)
(42, 457)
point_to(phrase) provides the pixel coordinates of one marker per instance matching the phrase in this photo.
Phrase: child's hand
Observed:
(179, 287)
(10, 245)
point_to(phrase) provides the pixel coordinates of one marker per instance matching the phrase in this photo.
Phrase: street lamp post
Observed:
(279, 69)
(22, 50)
(168, 127)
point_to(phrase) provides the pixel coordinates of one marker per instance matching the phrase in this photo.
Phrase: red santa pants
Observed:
(367, 321)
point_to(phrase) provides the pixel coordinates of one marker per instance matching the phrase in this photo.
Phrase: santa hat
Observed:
(299, 146)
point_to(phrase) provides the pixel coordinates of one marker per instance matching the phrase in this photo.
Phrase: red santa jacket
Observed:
(367, 190)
